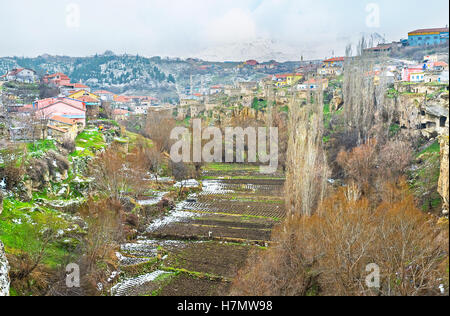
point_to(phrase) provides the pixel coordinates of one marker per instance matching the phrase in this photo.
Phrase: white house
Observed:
(21, 75)
(418, 77)
(215, 90)
(443, 77)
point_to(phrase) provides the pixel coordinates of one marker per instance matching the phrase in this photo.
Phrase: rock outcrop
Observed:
(338, 101)
(4, 272)
(443, 186)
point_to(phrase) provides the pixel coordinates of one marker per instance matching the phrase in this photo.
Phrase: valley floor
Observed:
(197, 248)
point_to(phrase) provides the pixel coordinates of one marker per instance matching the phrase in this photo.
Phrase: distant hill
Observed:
(130, 74)
(119, 73)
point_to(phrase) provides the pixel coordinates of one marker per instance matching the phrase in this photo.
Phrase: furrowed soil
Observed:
(197, 248)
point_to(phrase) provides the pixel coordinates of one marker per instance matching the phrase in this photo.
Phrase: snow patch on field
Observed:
(175, 216)
(215, 187)
(124, 287)
(154, 200)
(192, 183)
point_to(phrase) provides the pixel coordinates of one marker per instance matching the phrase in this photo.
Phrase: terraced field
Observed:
(198, 247)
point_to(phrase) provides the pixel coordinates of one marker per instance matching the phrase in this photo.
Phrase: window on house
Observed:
(442, 121)
(431, 125)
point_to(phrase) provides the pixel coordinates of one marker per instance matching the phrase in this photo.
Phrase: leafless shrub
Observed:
(13, 168)
(327, 253)
(56, 160)
(368, 165)
(158, 128)
(116, 176)
(105, 219)
(68, 144)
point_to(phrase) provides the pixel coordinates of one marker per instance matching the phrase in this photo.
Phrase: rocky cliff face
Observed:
(338, 101)
(443, 186)
(4, 272)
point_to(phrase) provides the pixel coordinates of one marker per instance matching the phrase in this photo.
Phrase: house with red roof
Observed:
(120, 115)
(409, 72)
(105, 95)
(123, 99)
(58, 79)
(67, 89)
(251, 62)
(380, 48)
(61, 107)
(282, 80)
(215, 90)
(313, 84)
(61, 128)
(24, 75)
(440, 66)
(332, 66)
(92, 106)
(333, 62)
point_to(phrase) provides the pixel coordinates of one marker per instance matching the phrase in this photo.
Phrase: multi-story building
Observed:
(425, 37)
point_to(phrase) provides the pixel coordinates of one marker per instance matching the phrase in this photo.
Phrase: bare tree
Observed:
(158, 128)
(366, 109)
(117, 176)
(307, 171)
(180, 172)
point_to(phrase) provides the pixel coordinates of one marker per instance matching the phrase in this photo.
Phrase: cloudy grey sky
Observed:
(184, 28)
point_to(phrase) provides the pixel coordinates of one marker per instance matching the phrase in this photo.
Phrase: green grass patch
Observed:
(231, 167)
(394, 129)
(40, 147)
(434, 148)
(88, 142)
(133, 138)
(22, 229)
(195, 274)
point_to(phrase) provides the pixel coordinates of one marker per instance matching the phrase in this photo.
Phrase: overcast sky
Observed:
(188, 27)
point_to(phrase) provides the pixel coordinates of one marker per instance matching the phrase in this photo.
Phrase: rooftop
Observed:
(433, 30)
(334, 59)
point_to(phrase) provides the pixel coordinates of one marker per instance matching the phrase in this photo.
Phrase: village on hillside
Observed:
(69, 106)
(89, 183)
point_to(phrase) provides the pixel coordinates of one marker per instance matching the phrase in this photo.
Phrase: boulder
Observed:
(4, 272)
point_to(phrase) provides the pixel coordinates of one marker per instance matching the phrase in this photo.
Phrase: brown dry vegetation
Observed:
(327, 253)
(369, 165)
(331, 237)
(117, 174)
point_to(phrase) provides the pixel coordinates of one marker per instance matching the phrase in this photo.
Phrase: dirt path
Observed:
(198, 248)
